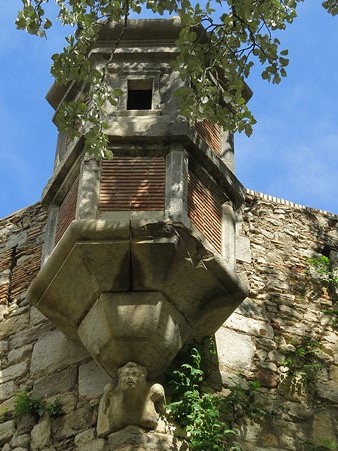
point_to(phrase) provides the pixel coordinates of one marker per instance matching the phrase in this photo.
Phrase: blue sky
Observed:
(292, 154)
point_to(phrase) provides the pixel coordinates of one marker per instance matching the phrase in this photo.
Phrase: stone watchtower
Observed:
(139, 256)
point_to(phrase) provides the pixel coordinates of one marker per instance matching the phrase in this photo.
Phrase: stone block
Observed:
(17, 355)
(235, 350)
(269, 440)
(84, 437)
(3, 346)
(328, 390)
(323, 428)
(36, 317)
(243, 251)
(21, 440)
(132, 438)
(267, 378)
(61, 382)
(95, 445)
(298, 411)
(334, 373)
(30, 335)
(53, 352)
(16, 239)
(25, 424)
(14, 324)
(69, 425)
(8, 406)
(68, 400)
(13, 372)
(249, 326)
(41, 434)
(6, 390)
(7, 429)
(92, 380)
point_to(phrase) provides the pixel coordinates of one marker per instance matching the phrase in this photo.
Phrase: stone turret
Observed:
(140, 249)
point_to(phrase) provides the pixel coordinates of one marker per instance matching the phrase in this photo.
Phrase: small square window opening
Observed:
(140, 94)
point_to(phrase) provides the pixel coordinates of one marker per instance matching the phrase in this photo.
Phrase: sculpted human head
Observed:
(131, 376)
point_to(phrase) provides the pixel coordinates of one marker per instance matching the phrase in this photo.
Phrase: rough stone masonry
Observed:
(286, 301)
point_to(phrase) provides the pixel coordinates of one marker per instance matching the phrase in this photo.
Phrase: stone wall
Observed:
(286, 301)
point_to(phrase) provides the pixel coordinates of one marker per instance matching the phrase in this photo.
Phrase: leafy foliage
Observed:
(329, 276)
(209, 419)
(303, 359)
(219, 38)
(322, 266)
(28, 404)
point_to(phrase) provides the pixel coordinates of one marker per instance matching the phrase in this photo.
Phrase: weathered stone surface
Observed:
(13, 372)
(328, 390)
(37, 317)
(13, 324)
(69, 425)
(41, 434)
(267, 378)
(17, 355)
(84, 437)
(298, 411)
(133, 438)
(68, 400)
(3, 346)
(228, 343)
(94, 445)
(243, 252)
(22, 440)
(30, 335)
(142, 327)
(249, 326)
(16, 239)
(7, 429)
(6, 390)
(53, 352)
(92, 380)
(323, 426)
(8, 406)
(25, 424)
(334, 373)
(63, 381)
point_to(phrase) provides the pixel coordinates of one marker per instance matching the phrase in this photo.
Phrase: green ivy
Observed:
(209, 419)
(329, 276)
(27, 403)
(322, 266)
(303, 359)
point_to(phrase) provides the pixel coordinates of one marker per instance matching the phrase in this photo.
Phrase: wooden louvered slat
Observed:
(205, 211)
(211, 134)
(67, 210)
(132, 184)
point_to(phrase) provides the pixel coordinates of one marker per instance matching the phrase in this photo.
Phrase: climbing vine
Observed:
(209, 419)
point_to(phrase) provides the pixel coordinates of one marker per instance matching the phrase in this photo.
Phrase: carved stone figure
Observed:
(133, 401)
